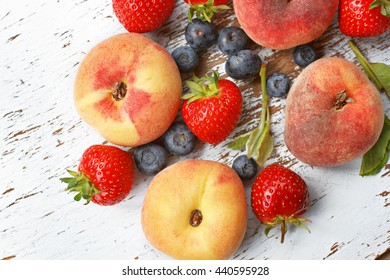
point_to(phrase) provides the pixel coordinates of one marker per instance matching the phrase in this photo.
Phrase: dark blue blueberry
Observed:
(278, 84)
(150, 158)
(242, 65)
(178, 139)
(245, 167)
(186, 58)
(232, 40)
(201, 35)
(304, 55)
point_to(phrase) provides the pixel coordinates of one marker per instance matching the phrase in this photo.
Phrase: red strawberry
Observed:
(105, 175)
(279, 196)
(142, 15)
(205, 9)
(212, 109)
(364, 18)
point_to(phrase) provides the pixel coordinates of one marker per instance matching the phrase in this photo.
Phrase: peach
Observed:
(283, 24)
(195, 209)
(334, 114)
(128, 87)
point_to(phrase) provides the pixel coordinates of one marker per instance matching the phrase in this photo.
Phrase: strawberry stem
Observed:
(284, 221)
(284, 230)
(264, 94)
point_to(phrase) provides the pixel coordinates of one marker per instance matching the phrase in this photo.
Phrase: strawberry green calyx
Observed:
(81, 184)
(205, 11)
(384, 5)
(202, 88)
(284, 221)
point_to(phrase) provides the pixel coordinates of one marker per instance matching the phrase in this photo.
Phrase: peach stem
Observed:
(196, 218)
(342, 100)
(119, 91)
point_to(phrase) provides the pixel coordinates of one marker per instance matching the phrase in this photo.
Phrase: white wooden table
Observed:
(41, 44)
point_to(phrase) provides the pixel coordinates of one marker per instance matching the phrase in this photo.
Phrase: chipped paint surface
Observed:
(41, 135)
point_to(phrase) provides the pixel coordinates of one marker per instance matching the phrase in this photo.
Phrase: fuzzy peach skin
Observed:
(210, 187)
(283, 24)
(320, 133)
(150, 81)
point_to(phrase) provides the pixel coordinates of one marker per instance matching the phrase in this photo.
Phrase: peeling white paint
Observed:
(41, 45)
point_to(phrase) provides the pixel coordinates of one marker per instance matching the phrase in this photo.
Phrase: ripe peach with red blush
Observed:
(128, 87)
(284, 24)
(334, 114)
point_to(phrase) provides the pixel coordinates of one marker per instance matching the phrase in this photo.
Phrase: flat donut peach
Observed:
(334, 114)
(128, 87)
(195, 209)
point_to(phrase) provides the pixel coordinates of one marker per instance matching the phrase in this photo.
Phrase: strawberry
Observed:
(364, 18)
(205, 9)
(142, 15)
(105, 175)
(279, 196)
(212, 110)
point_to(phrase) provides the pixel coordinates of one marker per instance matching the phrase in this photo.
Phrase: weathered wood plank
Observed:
(41, 135)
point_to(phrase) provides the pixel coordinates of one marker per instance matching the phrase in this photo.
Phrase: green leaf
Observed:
(78, 197)
(188, 95)
(263, 148)
(268, 228)
(72, 183)
(382, 72)
(379, 73)
(385, 10)
(85, 187)
(375, 4)
(190, 15)
(204, 87)
(239, 143)
(81, 185)
(260, 143)
(376, 158)
(73, 173)
(384, 6)
(66, 180)
(365, 64)
(194, 86)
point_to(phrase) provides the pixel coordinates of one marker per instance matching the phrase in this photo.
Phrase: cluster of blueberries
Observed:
(179, 140)
(241, 64)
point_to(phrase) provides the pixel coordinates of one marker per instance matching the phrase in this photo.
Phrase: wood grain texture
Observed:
(42, 43)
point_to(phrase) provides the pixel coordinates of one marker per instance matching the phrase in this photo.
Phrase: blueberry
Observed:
(150, 158)
(304, 55)
(178, 139)
(232, 40)
(201, 35)
(186, 58)
(278, 84)
(242, 65)
(245, 167)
